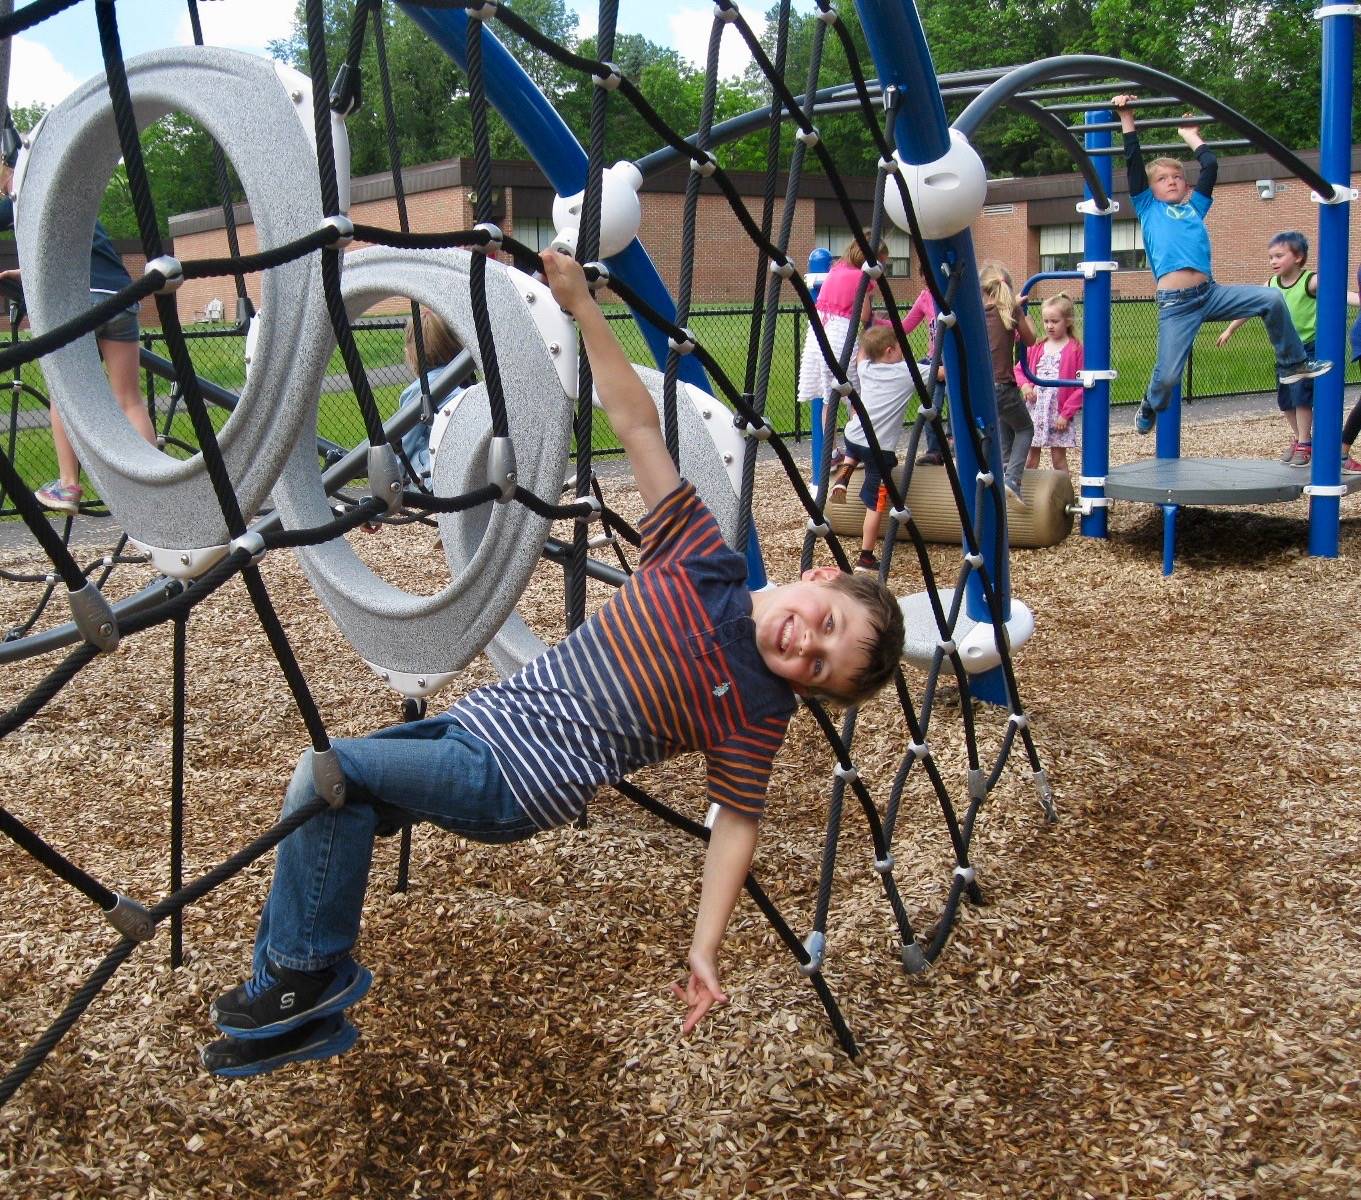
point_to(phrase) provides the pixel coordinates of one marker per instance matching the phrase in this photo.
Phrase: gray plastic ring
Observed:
(240, 100)
(417, 641)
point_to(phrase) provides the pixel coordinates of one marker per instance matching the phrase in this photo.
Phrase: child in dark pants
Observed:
(1007, 324)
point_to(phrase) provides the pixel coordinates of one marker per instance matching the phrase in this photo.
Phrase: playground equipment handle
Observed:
(1025, 366)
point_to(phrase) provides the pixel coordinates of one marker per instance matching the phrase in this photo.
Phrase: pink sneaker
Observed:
(1350, 466)
(60, 497)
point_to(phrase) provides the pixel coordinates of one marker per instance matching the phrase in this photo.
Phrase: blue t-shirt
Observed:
(1174, 234)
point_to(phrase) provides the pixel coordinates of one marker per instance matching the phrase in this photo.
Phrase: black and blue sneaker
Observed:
(279, 999)
(238, 1058)
(1145, 417)
(1311, 368)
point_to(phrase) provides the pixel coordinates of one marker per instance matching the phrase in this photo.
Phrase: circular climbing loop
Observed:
(499, 469)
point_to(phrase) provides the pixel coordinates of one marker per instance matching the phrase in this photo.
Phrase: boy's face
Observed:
(1169, 185)
(1283, 260)
(812, 634)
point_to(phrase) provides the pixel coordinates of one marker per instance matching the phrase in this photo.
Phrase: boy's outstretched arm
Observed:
(732, 843)
(627, 403)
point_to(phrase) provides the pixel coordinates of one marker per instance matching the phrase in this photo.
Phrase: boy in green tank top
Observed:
(1287, 253)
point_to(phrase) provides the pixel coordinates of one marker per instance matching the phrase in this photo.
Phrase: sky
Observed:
(49, 60)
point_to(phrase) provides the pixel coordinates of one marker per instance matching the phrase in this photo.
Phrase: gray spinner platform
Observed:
(1211, 481)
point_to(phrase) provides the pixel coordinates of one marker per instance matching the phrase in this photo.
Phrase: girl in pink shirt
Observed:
(1053, 409)
(836, 299)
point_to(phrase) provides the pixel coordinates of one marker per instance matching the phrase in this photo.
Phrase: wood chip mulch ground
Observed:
(1160, 997)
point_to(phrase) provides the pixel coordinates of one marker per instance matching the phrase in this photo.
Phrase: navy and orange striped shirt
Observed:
(668, 664)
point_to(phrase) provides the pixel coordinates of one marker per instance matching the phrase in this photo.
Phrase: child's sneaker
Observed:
(843, 477)
(237, 1058)
(1350, 466)
(1014, 496)
(1304, 451)
(1311, 368)
(279, 999)
(866, 561)
(1288, 454)
(932, 458)
(1144, 417)
(60, 497)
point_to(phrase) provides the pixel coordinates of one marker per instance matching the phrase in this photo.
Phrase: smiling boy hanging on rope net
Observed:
(682, 658)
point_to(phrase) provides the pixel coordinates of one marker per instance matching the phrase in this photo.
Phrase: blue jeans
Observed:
(1181, 313)
(431, 770)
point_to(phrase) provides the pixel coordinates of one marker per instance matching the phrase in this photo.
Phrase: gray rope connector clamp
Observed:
(884, 865)
(93, 616)
(608, 81)
(848, 774)
(985, 478)
(947, 646)
(385, 477)
(968, 874)
(978, 784)
(809, 137)
(1041, 778)
(901, 515)
(819, 528)
(327, 778)
(501, 467)
(1020, 720)
(685, 347)
(130, 919)
(592, 512)
(785, 270)
(975, 560)
(843, 388)
(946, 320)
(816, 945)
(890, 166)
(252, 542)
(169, 268)
(725, 11)
(343, 227)
(828, 15)
(919, 750)
(875, 270)
(486, 11)
(914, 958)
(494, 237)
(602, 277)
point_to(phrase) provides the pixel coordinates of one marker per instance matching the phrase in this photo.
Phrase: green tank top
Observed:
(1303, 307)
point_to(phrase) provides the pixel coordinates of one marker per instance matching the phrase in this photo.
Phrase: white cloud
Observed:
(690, 36)
(588, 21)
(35, 75)
(242, 24)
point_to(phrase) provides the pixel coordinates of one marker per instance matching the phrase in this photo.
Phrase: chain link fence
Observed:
(1244, 366)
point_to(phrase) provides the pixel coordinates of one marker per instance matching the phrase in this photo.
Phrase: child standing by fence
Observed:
(835, 305)
(1053, 409)
(1007, 323)
(1287, 253)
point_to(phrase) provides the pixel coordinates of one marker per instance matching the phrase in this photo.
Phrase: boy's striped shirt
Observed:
(668, 664)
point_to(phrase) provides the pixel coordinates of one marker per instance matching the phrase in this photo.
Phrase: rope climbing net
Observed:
(498, 477)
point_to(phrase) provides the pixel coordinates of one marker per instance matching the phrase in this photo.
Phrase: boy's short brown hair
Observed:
(877, 341)
(884, 650)
(1169, 164)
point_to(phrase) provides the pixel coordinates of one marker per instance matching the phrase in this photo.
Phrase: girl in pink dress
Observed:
(836, 300)
(1053, 409)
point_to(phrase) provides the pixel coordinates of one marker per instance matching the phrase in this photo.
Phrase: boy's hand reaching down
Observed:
(701, 991)
(567, 281)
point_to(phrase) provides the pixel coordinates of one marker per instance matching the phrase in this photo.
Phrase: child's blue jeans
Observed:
(1181, 313)
(431, 770)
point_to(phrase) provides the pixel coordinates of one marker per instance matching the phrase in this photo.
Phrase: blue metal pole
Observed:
(1333, 249)
(1096, 332)
(819, 263)
(898, 45)
(560, 157)
(1167, 433)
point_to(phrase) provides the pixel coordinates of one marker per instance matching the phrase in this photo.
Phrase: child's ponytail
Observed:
(995, 283)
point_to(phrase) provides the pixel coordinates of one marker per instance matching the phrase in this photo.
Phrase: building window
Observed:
(535, 232)
(836, 238)
(1061, 246)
